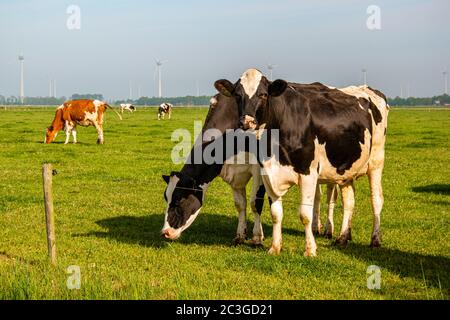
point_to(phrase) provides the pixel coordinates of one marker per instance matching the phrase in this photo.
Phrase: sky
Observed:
(205, 40)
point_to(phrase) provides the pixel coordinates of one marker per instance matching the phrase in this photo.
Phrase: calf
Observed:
(325, 134)
(128, 107)
(186, 189)
(78, 112)
(163, 109)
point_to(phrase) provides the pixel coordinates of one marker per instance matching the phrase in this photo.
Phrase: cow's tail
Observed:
(109, 107)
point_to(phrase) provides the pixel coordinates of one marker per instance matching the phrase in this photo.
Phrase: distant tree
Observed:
(425, 101)
(90, 96)
(176, 101)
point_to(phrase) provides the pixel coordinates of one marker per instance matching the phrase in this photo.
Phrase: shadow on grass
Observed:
(435, 269)
(434, 188)
(207, 229)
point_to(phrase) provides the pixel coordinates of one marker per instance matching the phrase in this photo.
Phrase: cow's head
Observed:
(252, 92)
(50, 134)
(184, 199)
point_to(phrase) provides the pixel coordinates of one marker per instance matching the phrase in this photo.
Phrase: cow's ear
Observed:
(225, 87)
(277, 88)
(166, 178)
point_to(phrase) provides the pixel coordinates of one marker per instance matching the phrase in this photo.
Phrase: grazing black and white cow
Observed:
(325, 135)
(128, 107)
(186, 189)
(163, 109)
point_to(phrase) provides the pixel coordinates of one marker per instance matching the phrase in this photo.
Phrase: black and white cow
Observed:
(186, 189)
(163, 109)
(128, 107)
(325, 135)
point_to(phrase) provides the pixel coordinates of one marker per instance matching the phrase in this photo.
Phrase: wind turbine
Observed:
(159, 64)
(444, 73)
(364, 71)
(130, 96)
(22, 89)
(271, 67)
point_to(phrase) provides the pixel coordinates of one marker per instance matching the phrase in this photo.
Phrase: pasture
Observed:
(109, 209)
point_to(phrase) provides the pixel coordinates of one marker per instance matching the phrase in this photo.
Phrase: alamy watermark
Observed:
(74, 280)
(374, 278)
(213, 146)
(373, 21)
(74, 19)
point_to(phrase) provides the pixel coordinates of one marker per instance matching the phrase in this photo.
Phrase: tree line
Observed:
(142, 101)
(443, 99)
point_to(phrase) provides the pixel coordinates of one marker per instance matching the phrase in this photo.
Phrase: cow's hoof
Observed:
(310, 249)
(349, 236)
(238, 240)
(341, 241)
(328, 234)
(316, 232)
(257, 241)
(274, 251)
(100, 142)
(376, 241)
(310, 253)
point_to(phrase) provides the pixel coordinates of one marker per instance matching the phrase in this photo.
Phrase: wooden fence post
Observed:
(47, 173)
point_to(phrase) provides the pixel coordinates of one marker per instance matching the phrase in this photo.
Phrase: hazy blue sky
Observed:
(204, 40)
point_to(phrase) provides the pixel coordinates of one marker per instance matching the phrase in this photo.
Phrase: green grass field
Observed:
(109, 209)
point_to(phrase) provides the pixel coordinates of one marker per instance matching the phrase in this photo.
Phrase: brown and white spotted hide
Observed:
(77, 112)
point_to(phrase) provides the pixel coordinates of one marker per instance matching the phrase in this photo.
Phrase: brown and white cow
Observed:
(78, 112)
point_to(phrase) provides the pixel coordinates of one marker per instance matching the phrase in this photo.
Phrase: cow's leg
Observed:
(316, 224)
(348, 202)
(376, 191)
(240, 201)
(308, 191)
(331, 201)
(170, 114)
(68, 129)
(74, 134)
(256, 203)
(99, 128)
(276, 210)
(159, 116)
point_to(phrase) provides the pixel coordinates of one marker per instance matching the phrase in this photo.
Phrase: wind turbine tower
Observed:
(22, 90)
(271, 67)
(444, 73)
(130, 96)
(364, 71)
(159, 64)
